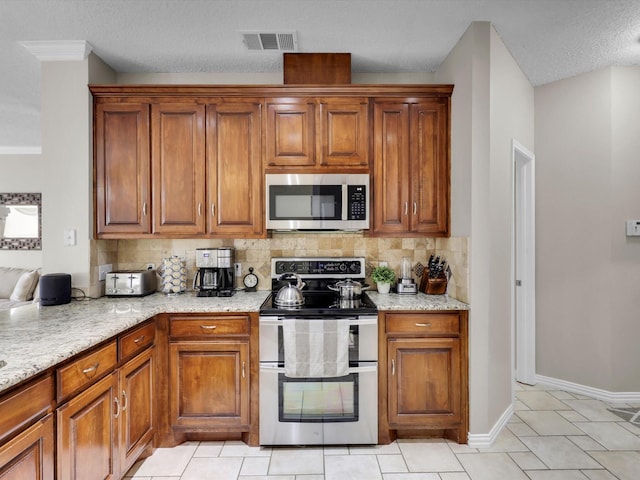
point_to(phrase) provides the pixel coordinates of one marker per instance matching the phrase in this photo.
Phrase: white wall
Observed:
(67, 165)
(588, 284)
(492, 103)
(21, 174)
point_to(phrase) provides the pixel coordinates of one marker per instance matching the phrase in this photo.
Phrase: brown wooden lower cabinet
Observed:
(29, 456)
(211, 390)
(424, 378)
(87, 433)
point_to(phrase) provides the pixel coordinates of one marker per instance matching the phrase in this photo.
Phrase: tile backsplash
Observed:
(257, 253)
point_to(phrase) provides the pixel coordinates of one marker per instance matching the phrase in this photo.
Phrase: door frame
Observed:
(523, 297)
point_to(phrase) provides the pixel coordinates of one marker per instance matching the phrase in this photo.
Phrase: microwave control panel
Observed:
(357, 198)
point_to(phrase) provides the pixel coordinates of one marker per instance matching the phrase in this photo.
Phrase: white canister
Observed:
(174, 275)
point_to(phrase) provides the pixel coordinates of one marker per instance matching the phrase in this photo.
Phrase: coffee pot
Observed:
(215, 275)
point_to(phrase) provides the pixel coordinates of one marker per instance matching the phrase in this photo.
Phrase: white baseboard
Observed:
(597, 393)
(485, 440)
(20, 150)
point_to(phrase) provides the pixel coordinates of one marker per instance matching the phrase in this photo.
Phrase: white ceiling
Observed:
(550, 39)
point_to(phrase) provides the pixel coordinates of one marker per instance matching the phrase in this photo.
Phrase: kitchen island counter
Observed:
(34, 338)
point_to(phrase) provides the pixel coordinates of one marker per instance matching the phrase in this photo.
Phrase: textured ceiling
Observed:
(550, 39)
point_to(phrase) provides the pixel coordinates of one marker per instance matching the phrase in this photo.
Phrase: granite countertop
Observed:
(34, 338)
(419, 302)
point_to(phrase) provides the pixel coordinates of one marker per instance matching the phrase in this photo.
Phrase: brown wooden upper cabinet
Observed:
(122, 169)
(234, 168)
(188, 161)
(317, 133)
(411, 167)
(177, 157)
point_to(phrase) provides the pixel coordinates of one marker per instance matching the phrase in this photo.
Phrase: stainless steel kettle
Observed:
(290, 295)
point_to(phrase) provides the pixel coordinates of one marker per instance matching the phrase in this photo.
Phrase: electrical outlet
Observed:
(151, 266)
(383, 264)
(238, 267)
(103, 270)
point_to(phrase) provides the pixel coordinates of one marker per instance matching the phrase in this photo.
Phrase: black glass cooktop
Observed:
(321, 304)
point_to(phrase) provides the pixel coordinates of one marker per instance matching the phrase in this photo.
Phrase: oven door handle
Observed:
(279, 321)
(272, 367)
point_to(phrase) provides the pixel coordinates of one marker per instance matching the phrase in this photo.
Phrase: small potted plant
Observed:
(384, 277)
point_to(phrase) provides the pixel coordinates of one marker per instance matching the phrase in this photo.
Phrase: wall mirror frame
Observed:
(22, 243)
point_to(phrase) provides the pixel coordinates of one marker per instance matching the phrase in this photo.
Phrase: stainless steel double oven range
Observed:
(318, 358)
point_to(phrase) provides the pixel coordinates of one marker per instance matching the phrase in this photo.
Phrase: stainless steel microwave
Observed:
(317, 201)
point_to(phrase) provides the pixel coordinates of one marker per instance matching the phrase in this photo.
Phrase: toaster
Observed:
(130, 283)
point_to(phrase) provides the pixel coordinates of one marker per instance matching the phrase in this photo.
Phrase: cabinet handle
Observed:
(139, 340)
(243, 370)
(117, 414)
(200, 209)
(91, 369)
(415, 207)
(406, 208)
(125, 400)
(144, 209)
(208, 328)
(423, 324)
(393, 367)
(213, 209)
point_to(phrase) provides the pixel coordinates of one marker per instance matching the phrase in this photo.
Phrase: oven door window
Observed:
(305, 202)
(304, 400)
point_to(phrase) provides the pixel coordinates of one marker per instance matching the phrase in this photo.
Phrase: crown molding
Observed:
(59, 50)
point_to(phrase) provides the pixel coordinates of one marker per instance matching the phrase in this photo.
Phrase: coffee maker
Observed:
(215, 275)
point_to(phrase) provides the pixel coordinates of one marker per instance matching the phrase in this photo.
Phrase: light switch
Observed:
(69, 237)
(633, 228)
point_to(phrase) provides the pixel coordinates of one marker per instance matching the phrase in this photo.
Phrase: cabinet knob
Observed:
(117, 414)
(208, 328)
(393, 366)
(406, 208)
(415, 207)
(423, 324)
(200, 209)
(144, 209)
(243, 372)
(213, 209)
(125, 400)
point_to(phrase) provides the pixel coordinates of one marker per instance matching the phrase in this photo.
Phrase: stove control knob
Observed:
(354, 267)
(343, 267)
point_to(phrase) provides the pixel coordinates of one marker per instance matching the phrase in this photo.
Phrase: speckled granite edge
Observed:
(35, 338)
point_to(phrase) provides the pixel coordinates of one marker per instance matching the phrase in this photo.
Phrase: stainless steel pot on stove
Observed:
(348, 288)
(290, 295)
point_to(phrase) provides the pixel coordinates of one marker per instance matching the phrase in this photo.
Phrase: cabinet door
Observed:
(29, 456)
(391, 168)
(430, 167)
(424, 382)
(87, 433)
(122, 168)
(178, 168)
(234, 168)
(290, 133)
(136, 392)
(343, 134)
(209, 384)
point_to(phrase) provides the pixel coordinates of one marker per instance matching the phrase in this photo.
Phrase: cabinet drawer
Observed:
(425, 324)
(86, 369)
(27, 404)
(209, 326)
(137, 340)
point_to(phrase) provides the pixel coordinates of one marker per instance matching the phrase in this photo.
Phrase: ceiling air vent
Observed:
(270, 41)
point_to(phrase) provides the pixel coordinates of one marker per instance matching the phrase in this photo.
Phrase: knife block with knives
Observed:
(435, 276)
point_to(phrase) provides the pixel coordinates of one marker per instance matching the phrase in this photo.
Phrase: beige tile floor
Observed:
(553, 435)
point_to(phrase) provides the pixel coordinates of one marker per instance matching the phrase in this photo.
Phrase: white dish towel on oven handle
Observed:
(315, 348)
